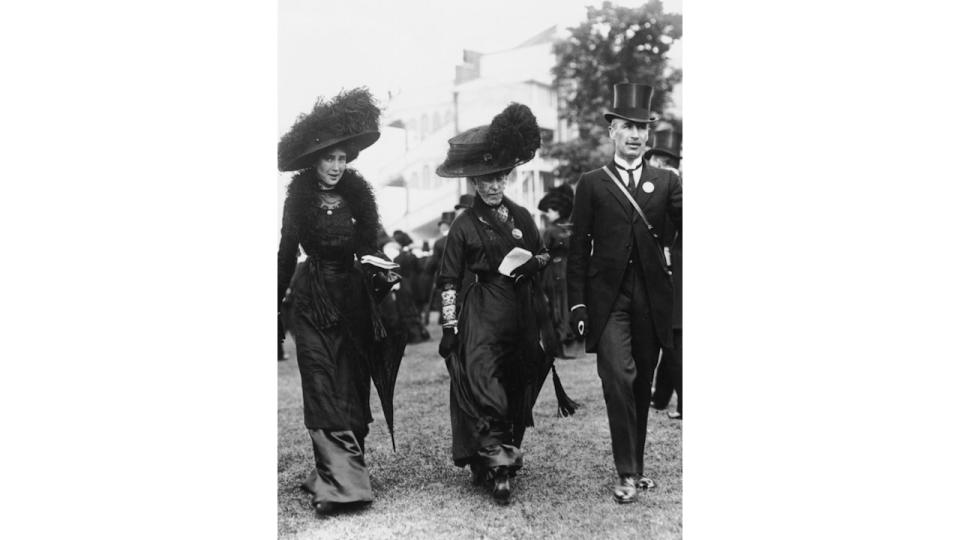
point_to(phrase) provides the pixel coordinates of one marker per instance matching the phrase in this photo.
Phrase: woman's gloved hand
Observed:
(527, 269)
(448, 342)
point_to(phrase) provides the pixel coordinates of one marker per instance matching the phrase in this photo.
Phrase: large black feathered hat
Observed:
(511, 139)
(561, 198)
(351, 119)
(632, 102)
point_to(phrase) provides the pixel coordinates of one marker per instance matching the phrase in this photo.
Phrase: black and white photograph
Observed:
(479, 297)
(310, 269)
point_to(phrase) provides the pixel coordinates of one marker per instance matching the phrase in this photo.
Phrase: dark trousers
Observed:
(670, 374)
(627, 355)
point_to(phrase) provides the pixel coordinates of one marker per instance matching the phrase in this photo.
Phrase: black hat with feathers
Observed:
(351, 120)
(560, 198)
(511, 139)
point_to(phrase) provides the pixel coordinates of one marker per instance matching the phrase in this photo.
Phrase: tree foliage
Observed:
(615, 44)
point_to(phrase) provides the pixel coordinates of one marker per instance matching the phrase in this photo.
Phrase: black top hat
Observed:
(666, 142)
(511, 139)
(466, 201)
(351, 119)
(446, 217)
(560, 198)
(632, 102)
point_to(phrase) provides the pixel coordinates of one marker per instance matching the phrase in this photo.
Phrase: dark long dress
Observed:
(496, 370)
(333, 321)
(556, 239)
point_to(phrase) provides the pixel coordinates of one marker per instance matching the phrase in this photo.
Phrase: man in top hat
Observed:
(664, 154)
(619, 285)
(466, 201)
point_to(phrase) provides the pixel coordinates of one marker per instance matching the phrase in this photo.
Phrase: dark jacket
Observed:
(607, 231)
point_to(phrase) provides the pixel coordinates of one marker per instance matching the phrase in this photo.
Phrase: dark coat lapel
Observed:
(647, 174)
(615, 191)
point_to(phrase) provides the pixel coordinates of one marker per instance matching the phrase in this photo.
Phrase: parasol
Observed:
(385, 363)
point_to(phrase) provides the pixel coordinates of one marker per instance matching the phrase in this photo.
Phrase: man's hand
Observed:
(527, 269)
(448, 342)
(579, 321)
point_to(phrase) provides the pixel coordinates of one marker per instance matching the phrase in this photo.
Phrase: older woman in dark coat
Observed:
(331, 213)
(492, 347)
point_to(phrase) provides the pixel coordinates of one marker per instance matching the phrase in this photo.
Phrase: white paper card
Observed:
(378, 262)
(515, 258)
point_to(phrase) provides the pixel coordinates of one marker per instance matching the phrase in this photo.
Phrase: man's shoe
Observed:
(626, 490)
(501, 487)
(645, 483)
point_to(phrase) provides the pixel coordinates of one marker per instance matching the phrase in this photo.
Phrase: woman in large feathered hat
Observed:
(556, 206)
(341, 340)
(492, 347)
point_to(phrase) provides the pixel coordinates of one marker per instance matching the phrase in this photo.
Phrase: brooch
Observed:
(647, 187)
(517, 234)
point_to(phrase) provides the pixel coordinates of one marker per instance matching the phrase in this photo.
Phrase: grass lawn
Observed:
(563, 490)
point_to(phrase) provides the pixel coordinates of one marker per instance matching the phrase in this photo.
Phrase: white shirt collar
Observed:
(636, 163)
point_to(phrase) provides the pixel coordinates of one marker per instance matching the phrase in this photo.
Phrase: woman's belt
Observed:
(494, 277)
(331, 265)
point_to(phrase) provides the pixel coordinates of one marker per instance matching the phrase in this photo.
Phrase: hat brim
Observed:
(474, 169)
(308, 158)
(662, 152)
(647, 118)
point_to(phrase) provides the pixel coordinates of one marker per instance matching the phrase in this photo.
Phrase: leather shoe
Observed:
(626, 490)
(501, 487)
(630, 485)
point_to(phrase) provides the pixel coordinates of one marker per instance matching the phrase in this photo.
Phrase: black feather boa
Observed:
(356, 191)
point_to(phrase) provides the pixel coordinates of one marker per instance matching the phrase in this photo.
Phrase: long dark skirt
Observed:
(482, 374)
(341, 474)
(336, 388)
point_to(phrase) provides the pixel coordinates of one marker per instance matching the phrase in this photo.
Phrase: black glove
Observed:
(382, 281)
(526, 269)
(448, 342)
(578, 317)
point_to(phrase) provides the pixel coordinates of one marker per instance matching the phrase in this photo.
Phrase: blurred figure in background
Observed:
(665, 154)
(556, 206)
(436, 255)
(466, 201)
(410, 272)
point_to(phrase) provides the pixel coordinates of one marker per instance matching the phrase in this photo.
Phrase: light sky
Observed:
(325, 46)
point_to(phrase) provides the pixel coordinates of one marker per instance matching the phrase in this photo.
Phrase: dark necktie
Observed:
(632, 185)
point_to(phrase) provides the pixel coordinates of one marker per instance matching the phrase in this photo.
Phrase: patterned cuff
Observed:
(448, 308)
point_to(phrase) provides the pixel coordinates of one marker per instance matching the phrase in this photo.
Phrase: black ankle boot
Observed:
(501, 486)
